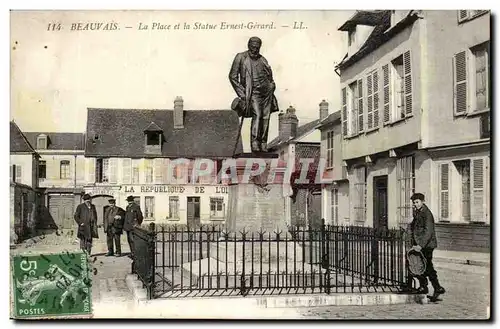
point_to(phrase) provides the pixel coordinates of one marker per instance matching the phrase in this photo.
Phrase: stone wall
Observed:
(23, 205)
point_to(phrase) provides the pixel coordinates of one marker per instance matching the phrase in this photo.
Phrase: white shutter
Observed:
(361, 123)
(444, 194)
(369, 92)
(126, 171)
(387, 93)
(408, 83)
(376, 119)
(158, 170)
(166, 171)
(478, 190)
(344, 112)
(10, 172)
(90, 164)
(19, 173)
(460, 74)
(113, 166)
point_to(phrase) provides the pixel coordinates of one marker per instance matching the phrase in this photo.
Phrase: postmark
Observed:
(52, 285)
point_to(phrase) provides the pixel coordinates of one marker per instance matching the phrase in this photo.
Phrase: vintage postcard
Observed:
(250, 164)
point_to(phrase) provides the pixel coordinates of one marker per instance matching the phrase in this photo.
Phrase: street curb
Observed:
(462, 261)
(268, 302)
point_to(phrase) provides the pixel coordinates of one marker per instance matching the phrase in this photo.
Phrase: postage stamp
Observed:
(52, 285)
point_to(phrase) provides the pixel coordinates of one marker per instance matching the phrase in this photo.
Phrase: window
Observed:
(41, 142)
(148, 166)
(329, 149)
(334, 206)
(467, 15)
(472, 87)
(42, 169)
(173, 206)
(16, 173)
(463, 190)
(360, 194)
(405, 175)
(397, 88)
(135, 171)
(65, 169)
(149, 207)
(216, 207)
(153, 138)
(373, 100)
(102, 170)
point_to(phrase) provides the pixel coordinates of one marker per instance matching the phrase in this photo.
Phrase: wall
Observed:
(463, 237)
(22, 214)
(312, 137)
(343, 203)
(445, 38)
(53, 177)
(402, 132)
(26, 163)
(336, 171)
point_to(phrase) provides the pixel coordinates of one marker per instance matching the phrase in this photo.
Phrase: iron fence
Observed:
(206, 260)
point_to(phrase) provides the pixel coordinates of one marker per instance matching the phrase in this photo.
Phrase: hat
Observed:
(86, 196)
(130, 198)
(112, 200)
(416, 262)
(238, 105)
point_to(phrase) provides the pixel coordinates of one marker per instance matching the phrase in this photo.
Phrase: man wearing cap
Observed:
(252, 80)
(133, 218)
(423, 239)
(86, 218)
(113, 227)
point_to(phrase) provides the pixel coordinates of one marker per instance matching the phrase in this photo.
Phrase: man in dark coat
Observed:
(86, 218)
(252, 80)
(423, 238)
(133, 218)
(113, 227)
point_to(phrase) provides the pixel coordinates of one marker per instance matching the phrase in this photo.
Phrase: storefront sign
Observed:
(102, 191)
(173, 189)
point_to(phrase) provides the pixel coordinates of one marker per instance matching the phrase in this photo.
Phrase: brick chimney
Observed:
(178, 113)
(323, 110)
(288, 123)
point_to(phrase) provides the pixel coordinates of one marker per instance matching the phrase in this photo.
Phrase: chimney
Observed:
(178, 112)
(288, 123)
(323, 110)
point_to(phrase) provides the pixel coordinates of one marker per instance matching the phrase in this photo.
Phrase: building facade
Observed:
(60, 177)
(152, 155)
(415, 95)
(294, 143)
(334, 196)
(24, 197)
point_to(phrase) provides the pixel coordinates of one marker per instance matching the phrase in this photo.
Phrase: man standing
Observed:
(113, 227)
(252, 80)
(86, 218)
(133, 218)
(423, 239)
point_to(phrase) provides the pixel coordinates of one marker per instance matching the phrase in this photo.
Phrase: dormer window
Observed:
(153, 138)
(41, 142)
(352, 37)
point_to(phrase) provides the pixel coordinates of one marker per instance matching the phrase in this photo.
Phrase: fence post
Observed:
(326, 255)
(133, 271)
(151, 255)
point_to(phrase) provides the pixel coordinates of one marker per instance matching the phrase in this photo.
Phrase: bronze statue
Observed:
(252, 79)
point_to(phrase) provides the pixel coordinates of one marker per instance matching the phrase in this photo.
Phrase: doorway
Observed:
(380, 211)
(193, 211)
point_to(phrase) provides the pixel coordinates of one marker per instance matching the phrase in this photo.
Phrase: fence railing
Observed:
(179, 261)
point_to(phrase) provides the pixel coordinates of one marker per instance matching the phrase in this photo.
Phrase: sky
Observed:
(56, 74)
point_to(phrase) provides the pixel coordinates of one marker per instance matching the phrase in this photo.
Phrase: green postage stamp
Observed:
(51, 285)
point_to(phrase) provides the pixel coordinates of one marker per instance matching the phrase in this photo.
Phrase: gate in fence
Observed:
(182, 261)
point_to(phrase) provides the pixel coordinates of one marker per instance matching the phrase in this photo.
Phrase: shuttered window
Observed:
(158, 163)
(478, 170)
(360, 103)
(444, 194)
(369, 98)
(466, 15)
(329, 149)
(372, 100)
(460, 76)
(113, 170)
(352, 108)
(386, 73)
(148, 171)
(360, 194)
(126, 171)
(344, 112)
(90, 164)
(136, 170)
(405, 174)
(408, 88)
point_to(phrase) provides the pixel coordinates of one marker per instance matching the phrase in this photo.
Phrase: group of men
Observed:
(116, 220)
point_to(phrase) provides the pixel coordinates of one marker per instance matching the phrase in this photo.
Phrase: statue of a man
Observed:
(252, 79)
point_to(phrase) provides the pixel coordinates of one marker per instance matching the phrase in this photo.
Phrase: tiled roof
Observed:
(335, 116)
(380, 34)
(120, 132)
(365, 17)
(301, 131)
(18, 141)
(307, 151)
(59, 141)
